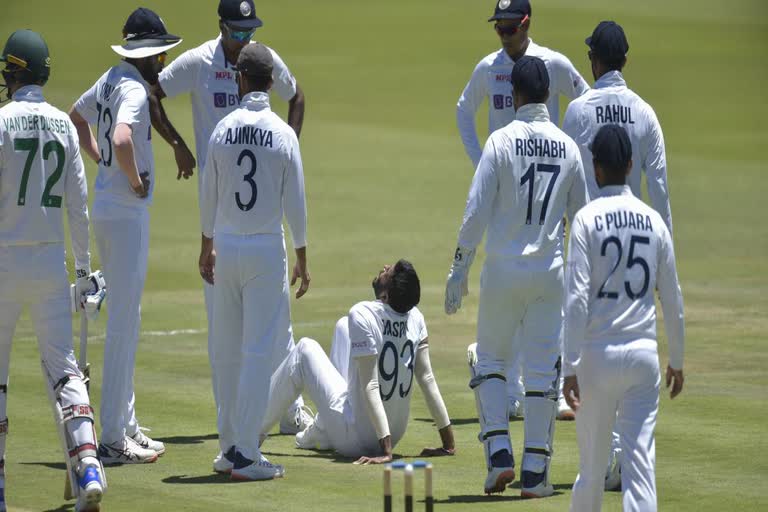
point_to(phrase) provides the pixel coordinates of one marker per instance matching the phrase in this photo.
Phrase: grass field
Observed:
(387, 177)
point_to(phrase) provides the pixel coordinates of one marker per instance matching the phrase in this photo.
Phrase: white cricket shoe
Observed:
(302, 418)
(535, 485)
(91, 487)
(261, 469)
(613, 472)
(126, 451)
(313, 438)
(564, 412)
(224, 462)
(148, 443)
(498, 479)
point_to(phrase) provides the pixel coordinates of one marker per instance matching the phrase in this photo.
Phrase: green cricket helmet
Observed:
(26, 50)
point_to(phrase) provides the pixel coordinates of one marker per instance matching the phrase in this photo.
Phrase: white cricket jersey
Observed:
(205, 73)
(40, 172)
(492, 79)
(620, 251)
(120, 97)
(611, 102)
(529, 176)
(253, 174)
(377, 329)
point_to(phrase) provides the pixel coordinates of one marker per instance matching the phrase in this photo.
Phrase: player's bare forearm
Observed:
(87, 140)
(126, 159)
(207, 260)
(448, 448)
(296, 111)
(185, 161)
(300, 270)
(385, 447)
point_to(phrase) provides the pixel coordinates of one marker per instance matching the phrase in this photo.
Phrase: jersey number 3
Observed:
(248, 178)
(30, 146)
(392, 376)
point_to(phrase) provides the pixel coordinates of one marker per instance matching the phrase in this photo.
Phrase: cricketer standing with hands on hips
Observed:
(620, 251)
(611, 102)
(41, 171)
(122, 147)
(529, 176)
(253, 175)
(491, 80)
(207, 73)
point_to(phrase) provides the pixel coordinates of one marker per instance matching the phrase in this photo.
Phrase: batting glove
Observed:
(457, 286)
(83, 286)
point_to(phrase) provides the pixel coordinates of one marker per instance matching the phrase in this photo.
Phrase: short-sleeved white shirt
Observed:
(377, 329)
(210, 80)
(120, 97)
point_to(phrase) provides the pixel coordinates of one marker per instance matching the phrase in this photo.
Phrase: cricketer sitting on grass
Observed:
(529, 176)
(122, 147)
(620, 251)
(40, 172)
(611, 102)
(207, 73)
(363, 398)
(491, 80)
(253, 175)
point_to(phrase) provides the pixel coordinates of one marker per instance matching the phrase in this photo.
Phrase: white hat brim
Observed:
(140, 52)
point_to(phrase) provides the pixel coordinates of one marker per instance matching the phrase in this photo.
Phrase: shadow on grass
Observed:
(464, 421)
(52, 465)
(67, 507)
(313, 454)
(198, 439)
(213, 478)
(478, 498)
(557, 487)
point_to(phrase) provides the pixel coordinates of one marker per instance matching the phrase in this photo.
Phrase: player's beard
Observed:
(378, 287)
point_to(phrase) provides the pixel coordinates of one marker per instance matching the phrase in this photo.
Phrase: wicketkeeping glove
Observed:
(457, 287)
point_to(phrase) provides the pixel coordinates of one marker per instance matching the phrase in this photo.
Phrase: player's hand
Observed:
(457, 285)
(571, 392)
(207, 264)
(142, 189)
(185, 161)
(300, 271)
(83, 286)
(437, 452)
(675, 379)
(364, 461)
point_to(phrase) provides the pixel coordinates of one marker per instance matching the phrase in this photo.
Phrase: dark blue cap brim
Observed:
(248, 24)
(507, 16)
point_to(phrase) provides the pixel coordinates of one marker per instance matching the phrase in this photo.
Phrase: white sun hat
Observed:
(145, 35)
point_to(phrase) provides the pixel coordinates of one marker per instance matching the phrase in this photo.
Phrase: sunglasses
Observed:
(241, 36)
(510, 30)
(161, 58)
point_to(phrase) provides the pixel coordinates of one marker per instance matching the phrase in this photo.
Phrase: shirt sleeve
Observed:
(181, 75)
(76, 198)
(133, 100)
(209, 191)
(571, 122)
(86, 105)
(473, 95)
(364, 338)
(482, 194)
(577, 286)
(284, 82)
(655, 165)
(671, 298)
(577, 195)
(294, 200)
(568, 81)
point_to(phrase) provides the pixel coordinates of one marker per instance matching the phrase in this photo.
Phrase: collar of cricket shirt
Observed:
(611, 79)
(257, 100)
(615, 190)
(532, 112)
(32, 93)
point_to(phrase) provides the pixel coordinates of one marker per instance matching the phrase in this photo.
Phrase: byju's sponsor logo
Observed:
(223, 100)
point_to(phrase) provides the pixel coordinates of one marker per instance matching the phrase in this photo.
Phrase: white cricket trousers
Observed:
(122, 235)
(252, 321)
(308, 369)
(36, 276)
(621, 378)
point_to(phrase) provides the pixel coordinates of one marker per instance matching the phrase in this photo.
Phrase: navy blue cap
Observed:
(239, 14)
(511, 10)
(145, 24)
(608, 41)
(612, 148)
(530, 77)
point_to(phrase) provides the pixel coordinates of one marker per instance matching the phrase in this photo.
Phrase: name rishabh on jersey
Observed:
(41, 171)
(253, 175)
(120, 96)
(492, 79)
(530, 175)
(611, 102)
(210, 80)
(377, 329)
